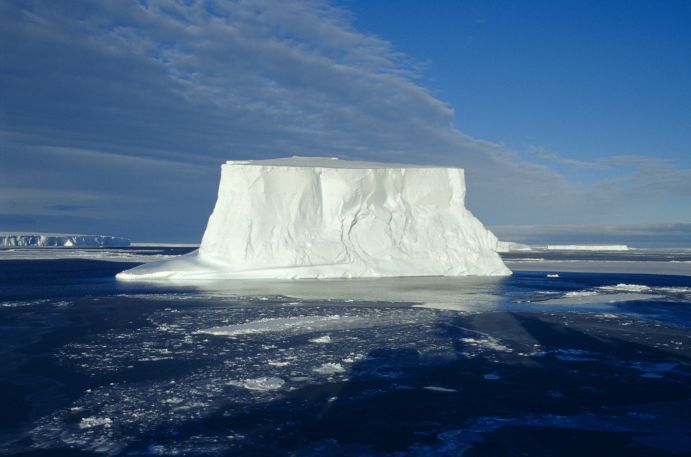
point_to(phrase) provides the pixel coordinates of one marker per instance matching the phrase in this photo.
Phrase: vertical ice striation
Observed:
(325, 218)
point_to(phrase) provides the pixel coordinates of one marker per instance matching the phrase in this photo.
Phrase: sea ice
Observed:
(262, 384)
(326, 339)
(91, 422)
(327, 218)
(595, 298)
(626, 288)
(329, 368)
(303, 323)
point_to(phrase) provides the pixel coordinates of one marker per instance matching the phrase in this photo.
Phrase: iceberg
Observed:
(303, 217)
(66, 240)
(510, 246)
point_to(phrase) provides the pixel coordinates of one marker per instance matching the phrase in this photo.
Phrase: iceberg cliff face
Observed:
(327, 218)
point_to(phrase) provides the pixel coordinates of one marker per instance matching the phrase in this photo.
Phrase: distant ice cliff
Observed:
(11, 240)
(588, 247)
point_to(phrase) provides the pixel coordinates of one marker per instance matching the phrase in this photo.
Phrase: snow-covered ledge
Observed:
(305, 217)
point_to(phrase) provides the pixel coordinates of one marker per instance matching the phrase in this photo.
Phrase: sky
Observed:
(571, 119)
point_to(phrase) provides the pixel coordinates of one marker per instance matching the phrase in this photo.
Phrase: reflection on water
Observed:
(459, 293)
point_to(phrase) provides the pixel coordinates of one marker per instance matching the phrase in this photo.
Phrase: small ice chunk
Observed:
(488, 343)
(491, 377)
(626, 288)
(93, 421)
(263, 384)
(299, 378)
(552, 275)
(326, 339)
(580, 293)
(329, 368)
(439, 389)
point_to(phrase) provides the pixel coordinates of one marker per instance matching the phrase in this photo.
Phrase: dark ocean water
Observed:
(525, 365)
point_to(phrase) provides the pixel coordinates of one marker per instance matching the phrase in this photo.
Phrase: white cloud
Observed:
(183, 85)
(556, 158)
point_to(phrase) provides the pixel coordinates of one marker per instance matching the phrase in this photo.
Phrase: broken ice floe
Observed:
(305, 323)
(263, 384)
(617, 293)
(329, 368)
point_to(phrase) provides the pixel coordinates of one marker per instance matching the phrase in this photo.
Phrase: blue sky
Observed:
(572, 119)
(582, 79)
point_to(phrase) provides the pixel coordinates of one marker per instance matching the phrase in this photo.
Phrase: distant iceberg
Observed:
(510, 246)
(588, 247)
(327, 218)
(21, 239)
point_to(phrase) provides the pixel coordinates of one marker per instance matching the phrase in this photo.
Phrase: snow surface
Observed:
(67, 240)
(328, 218)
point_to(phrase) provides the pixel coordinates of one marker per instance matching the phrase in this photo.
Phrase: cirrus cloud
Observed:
(138, 102)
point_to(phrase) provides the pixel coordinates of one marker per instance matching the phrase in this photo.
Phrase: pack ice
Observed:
(305, 217)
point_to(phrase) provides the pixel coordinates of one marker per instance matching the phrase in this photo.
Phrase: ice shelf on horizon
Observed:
(312, 217)
(588, 247)
(65, 240)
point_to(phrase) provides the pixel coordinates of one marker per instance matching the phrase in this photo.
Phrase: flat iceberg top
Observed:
(327, 162)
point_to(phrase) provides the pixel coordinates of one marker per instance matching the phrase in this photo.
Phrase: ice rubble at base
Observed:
(327, 218)
(20, 239)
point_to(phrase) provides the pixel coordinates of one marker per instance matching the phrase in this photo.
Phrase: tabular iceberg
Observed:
(305, 217)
